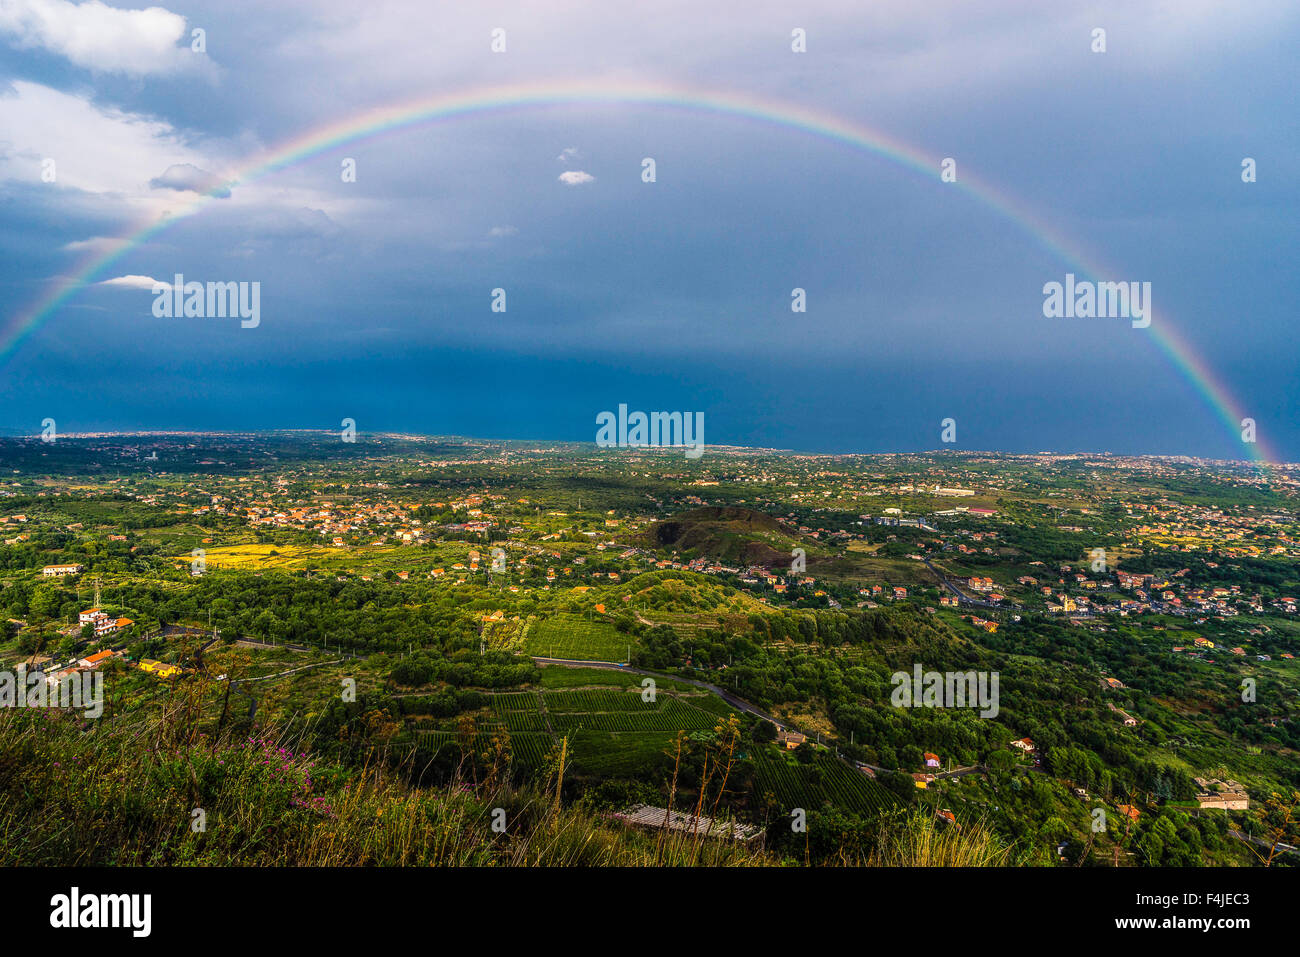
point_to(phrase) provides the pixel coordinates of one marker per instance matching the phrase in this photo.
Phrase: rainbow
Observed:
(389, 119)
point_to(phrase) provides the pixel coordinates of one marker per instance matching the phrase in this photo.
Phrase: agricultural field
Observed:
(826, 780)
(577, 639)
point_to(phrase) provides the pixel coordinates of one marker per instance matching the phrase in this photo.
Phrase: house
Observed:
(53, 571)
(159, 668)
(931, 760)
(1129, 812)
(1024, 744)
(55, 678)
(790, 739)
(1221, 795)
(97, 659)
(922, 780)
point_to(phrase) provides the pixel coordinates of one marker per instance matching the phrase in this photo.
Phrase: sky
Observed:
(923, 301)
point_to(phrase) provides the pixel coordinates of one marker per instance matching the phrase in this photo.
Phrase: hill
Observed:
(728, 534)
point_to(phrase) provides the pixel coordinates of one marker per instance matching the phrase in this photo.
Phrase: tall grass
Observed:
(921, 841)
(126, 791)
(125, 794)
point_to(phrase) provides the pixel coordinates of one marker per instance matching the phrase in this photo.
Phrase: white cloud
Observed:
(568, 153)
(95, 244)
(576, 177)
(134, 282)
(93, 149)
(99, 37)
(186, 177)
(503, 231)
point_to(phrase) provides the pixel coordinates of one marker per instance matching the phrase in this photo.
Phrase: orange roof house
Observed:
(97, 659)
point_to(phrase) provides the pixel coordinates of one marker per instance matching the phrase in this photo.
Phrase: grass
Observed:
(920, 841)
(127, 795)
(577, 639)
(561, 676)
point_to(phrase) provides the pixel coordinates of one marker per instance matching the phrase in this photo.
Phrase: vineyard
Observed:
(826, 781)
(528, 750)
(615, 732)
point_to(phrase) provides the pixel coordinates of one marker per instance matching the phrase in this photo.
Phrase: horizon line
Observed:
(398, 433)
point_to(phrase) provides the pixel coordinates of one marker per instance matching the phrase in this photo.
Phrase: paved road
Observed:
(1260, 842)
(963, 598)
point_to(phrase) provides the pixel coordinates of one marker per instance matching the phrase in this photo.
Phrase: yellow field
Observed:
(259, 556)
(869, 547)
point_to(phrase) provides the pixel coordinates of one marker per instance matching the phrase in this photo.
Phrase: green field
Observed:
(826, 781)
(562, 676)
(601, 710)
(577, 639)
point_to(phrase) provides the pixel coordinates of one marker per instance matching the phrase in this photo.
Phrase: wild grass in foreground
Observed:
(147, 790)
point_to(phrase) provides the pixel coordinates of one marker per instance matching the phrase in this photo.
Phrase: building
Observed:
(790, 739)
(931, 760)
(54, 571)
(94, 661)
(1024, 744)
(159, 668)
(1221, 795)
(644, 815)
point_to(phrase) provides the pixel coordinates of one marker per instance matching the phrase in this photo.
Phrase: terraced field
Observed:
(528, 750)
(613, 732)
(826, 781)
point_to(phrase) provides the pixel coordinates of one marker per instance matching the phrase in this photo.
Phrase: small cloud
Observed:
(503, 231)
(568, 153)
(134, 282)
(576, 177)
(188, 177)
(95, 244)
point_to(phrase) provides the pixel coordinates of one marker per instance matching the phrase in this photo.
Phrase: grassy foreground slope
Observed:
(150, 789)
